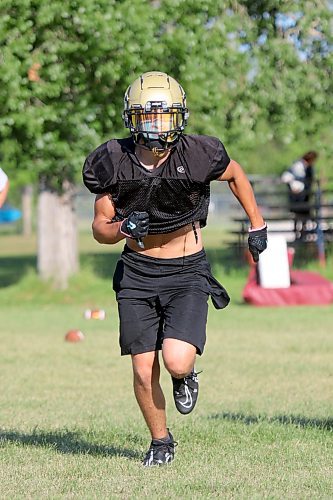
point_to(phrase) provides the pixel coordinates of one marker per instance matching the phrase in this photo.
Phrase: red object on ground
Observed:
(74, 336)
(306, 288)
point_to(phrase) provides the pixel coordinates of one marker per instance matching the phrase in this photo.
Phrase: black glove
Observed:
(257, 242)
(136, 225)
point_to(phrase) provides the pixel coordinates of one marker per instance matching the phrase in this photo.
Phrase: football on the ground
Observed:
(74, 336)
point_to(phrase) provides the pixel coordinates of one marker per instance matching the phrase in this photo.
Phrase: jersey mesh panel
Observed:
(164, 201)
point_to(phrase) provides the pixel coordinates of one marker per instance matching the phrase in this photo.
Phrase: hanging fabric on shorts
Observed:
(217, 292)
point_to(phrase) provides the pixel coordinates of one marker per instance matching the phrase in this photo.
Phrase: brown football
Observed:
(74, 336)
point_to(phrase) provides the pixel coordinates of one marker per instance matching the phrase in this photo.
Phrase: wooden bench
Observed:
(293, 228)
(283, 219)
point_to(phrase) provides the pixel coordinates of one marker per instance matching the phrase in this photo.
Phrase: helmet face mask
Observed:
(155, 111)
(158, 128)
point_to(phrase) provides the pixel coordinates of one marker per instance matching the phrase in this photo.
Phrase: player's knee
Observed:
(179, 362)
(178, 368)
(179, 373)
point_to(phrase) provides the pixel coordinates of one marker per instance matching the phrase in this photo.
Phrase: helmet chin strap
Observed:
(159, 152)
(154, 145)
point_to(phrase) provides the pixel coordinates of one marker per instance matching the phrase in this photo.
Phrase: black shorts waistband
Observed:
(129, 255)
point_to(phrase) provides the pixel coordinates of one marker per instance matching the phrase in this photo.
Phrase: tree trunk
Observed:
(27, 210)
(57, 235)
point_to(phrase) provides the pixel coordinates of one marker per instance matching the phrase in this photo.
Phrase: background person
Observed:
(4, 187)
(300, 178)
(153, 190)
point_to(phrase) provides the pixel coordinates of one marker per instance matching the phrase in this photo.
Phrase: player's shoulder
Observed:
(100, 167)
(201, 141)
(203, 148)
(97, 153)
(111, 147)
(207, 156)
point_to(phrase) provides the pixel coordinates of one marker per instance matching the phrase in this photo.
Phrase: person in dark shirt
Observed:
(153, 191)
(300, 180)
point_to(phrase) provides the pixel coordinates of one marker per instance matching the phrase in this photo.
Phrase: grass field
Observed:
(70, 426)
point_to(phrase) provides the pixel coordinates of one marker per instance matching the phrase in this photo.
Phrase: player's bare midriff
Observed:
(179, 243)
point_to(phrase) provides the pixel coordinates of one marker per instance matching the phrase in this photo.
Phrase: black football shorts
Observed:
(163, 298)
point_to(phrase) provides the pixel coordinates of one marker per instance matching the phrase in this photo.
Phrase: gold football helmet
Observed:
(155, 111)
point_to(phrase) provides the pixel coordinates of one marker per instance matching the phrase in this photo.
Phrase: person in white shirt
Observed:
(4, 186)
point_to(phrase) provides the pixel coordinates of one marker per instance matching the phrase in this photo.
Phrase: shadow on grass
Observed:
(13, 269)
(67, 442)
(227, 258)
(298, 421)
(102, 264)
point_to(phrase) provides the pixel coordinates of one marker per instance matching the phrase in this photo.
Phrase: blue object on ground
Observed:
(9, 214)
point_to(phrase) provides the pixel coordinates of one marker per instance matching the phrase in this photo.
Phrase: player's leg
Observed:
(140, 336)
(141, 326)
(184, 337)
(150, 397)
(148, 392)
(179, 358)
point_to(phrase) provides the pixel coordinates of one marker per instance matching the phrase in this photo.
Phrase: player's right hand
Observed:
(136, 225)
(257, 242)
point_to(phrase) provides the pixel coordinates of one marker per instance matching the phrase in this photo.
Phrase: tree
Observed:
(253, 71)
(258, 74)
(65, 68)
(291, 49)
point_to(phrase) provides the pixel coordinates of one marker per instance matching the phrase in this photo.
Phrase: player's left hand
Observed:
(257, 242)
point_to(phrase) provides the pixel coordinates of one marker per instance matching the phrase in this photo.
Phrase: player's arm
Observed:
(242, 190)
(104, 230)
(135, 226)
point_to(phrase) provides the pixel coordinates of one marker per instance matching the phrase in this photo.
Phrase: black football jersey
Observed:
(174, 194)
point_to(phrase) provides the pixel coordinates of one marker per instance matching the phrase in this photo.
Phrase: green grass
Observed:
(70, 426)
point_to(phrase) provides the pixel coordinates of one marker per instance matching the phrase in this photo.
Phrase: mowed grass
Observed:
(70, 425)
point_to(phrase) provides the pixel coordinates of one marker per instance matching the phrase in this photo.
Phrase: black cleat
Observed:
(161, 452)
(185, 392)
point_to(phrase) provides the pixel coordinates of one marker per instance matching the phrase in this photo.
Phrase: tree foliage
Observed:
(253, 71)
(65, 67)
(291, 46)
